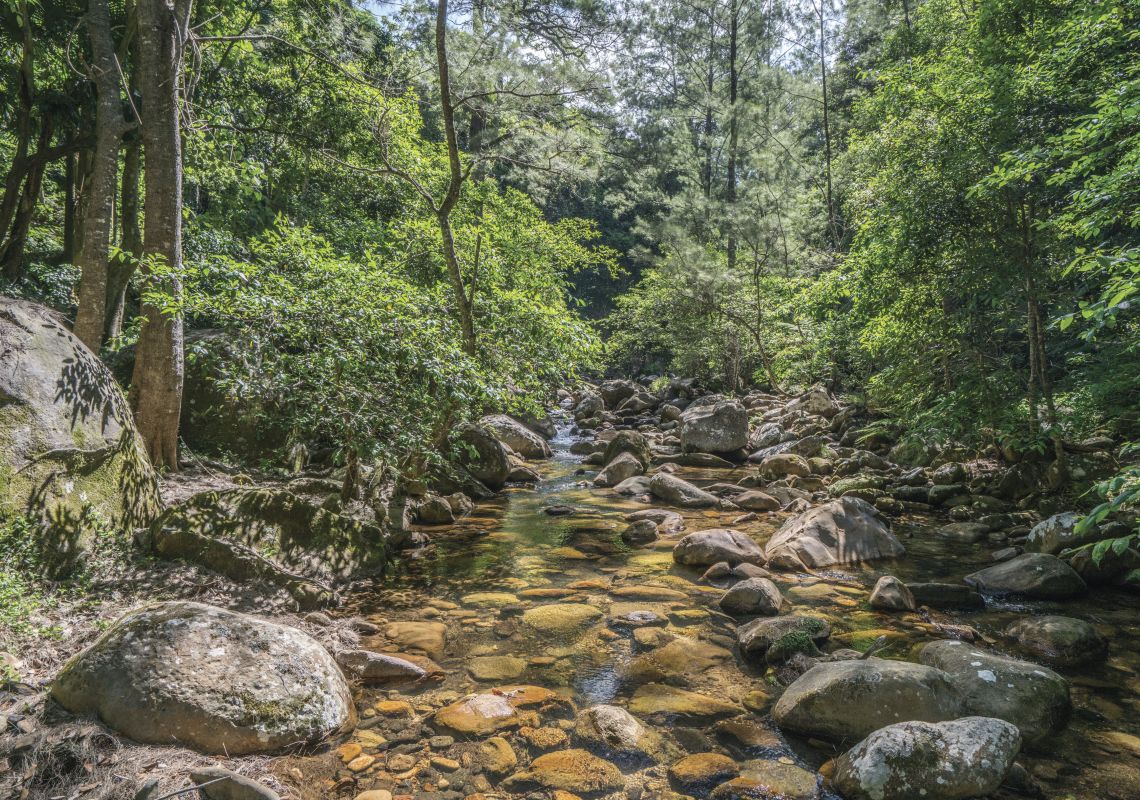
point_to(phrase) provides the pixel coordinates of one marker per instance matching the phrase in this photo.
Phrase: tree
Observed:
(156, 384)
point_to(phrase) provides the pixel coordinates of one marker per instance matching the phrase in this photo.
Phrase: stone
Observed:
(781, 465)
(1035, 575)
(955, 760)
(968, 532)
(590, 405)
(637, 485)
(756, 501)
(720, 426)
(374, 794)
(1060, 641)
(498, 709)
(752, 596)
(489, 599)
(675, 661)
(613, 732)
(496, 756)
(700, 772)
(672, 489)
(378, 667)
(427, 637)
(1058, 533)
(847, 700)
(704, 548)
(946, 595)
(561, 619)
(68, 442)
(769, 780)
(517, 436)
(891, 594)
(496, 668)
(666, 521)
(546, 738)
(616, 391)
(576, 771)
(748, 734)
(815, 401)
(434, 510)
(224, 784)
(643, 531)
(758, 636)
(623, 467)
(669, 701)
(843, 531)
(1032, 697)
(630, 442)
(214, 680)
(648, 592)
(482, 454)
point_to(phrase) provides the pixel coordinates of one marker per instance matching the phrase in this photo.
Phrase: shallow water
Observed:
(509, 545)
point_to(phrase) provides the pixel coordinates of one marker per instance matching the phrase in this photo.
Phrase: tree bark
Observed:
(91, 317)
(733, 82)
(130, 241)
(12, 254)
(156, 385)
(831, 224)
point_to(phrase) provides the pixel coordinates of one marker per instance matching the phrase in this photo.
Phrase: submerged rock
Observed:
(850, 699)
(666, 521)
(769, 780)
(700, 772)
(1032, 697)
(704, 548)
(675, 662)
(953, 760)
(1034, 575)
(211, 679)
(1062, 641)
(613, 732)
(669, 701)
(378, 667)
(498, 709)
(561, 619)
(576, 771)
(844, 531)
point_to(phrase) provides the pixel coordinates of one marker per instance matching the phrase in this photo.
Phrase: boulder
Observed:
(207, 678)
(891, 594)
(617, 391)
(591, 405)
(1057, 533)
(68, 443)
(642, 531)
(756, 501)
(815, 401)
(637, 485)
(1061, 641)
(703, 548)
(786, 635)
(434, 510)
(630, 442)
(481, 453)
(517, 436)
(850, 699)
(946, 595)
(720, 426)
(954, 760)
(752, 596)
(782, 465)
(1035, 575)
(672, 489)
(1032, 697)
(613, 732)
(843, 531)
(621, 468)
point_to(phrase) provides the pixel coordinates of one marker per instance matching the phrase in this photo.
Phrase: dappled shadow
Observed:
(87, 387)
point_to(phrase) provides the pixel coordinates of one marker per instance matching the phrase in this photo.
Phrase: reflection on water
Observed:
(509, 545)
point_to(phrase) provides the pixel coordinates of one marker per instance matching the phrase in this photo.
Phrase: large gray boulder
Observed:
(630, 442)
(616, 391)
(681, 493)
(954, 760)
(718, 426)
(68, 445)
(517, 436)
(621, 468)
(752, 596)
(1032, 697)
(703, 548)
(1036, 575)
(482, 454)
(846, 700)
(1057, 533)
(207, 678)
(844, 531)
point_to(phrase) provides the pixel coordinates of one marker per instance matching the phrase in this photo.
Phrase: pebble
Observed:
(361, 763)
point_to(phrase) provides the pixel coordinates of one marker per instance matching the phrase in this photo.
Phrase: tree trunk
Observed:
(733, 81)
(12, 254)
(156, 385)
(832, 232)
(23, 127)
(130, 241)
(455, 185)
(91, 318)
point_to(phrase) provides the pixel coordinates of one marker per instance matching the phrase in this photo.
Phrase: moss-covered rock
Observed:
(69, 450)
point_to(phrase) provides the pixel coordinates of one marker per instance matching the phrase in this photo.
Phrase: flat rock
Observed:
(700, 772)
(576, 771)
(1060, 641)
(561, 619)
(770, 780)
(707, 547)
(488, 712)
(656, 698)
(675, 661)
(496, 668)
(428, 637)
(1035, 575)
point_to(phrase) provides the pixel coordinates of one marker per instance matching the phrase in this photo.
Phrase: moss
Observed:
(272, 714)
(789, 645)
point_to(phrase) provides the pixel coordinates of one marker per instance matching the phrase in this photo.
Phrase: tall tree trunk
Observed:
(23, 128)
(12, 253)
(69, 208)
(130, 241)
(733, 82)
(455, 185)
(831, 224)
(91, 318)
(156, 385)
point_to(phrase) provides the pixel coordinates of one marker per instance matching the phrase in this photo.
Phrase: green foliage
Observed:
(1120, 495)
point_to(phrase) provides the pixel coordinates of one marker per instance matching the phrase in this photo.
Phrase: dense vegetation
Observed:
(403, 217)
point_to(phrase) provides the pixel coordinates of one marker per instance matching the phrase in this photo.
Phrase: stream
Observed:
(482, 574)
